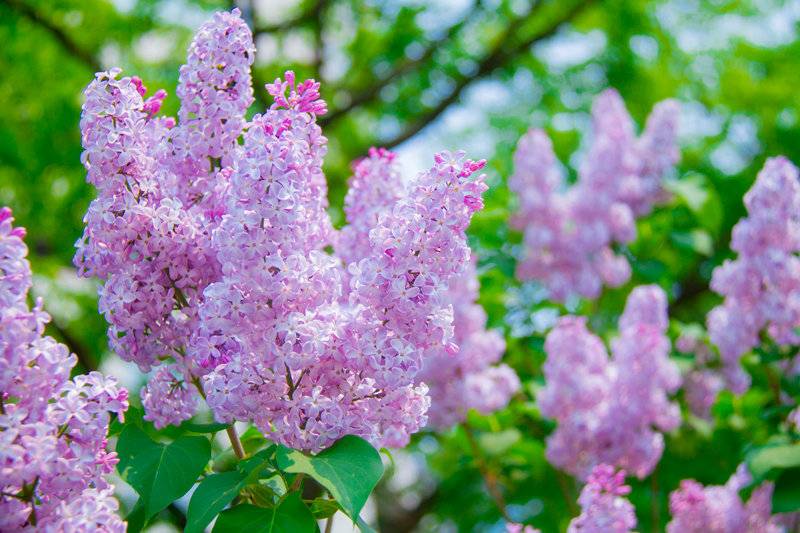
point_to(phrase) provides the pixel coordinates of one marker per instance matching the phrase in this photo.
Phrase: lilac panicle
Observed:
(52, 429)
(568, 232)
(603, 506)
(762, 286)
(460, 382)
(719, 508)
(611, 410)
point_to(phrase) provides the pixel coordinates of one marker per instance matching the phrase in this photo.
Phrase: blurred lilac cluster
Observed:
(52, 429)
(210, 234)
(719, 509)
(607, 408)
(762, 286)
(569, 231)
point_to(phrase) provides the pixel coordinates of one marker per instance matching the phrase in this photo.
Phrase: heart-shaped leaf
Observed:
(349, 469)
(291, 516)
(212, 495)
(160, 473)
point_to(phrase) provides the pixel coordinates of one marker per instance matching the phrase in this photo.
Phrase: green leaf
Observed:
(349, 469)
(207, 428)
(698, 240)
(160, 473)
(291, 516)
(786, 497)
(691, 189)
(132, 416)
(323, 508)
(363, 526)
(212, 496)
(136, 519)
(498, 443)
(263, 495)
(777, 454)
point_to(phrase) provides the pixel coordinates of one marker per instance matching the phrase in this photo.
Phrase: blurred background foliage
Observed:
(427, 75)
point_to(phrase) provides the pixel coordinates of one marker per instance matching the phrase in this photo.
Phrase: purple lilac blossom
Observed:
(52, 429)
(374, 188)
(568, 232)
(701, 384)
(210, 235)
(611, 410)
(603, 507)
(719, 508)
(457, 383)
(762, 286)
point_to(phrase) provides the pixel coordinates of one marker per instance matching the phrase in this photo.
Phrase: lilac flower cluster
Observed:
(211, 236)
(703, 383)
(603, 508)
(609, 410)
(719, 509)
(568, 232)
(148, 232)
(374, 188)
(52, 430)
(471, 379)
(762, 286)
(457, 383)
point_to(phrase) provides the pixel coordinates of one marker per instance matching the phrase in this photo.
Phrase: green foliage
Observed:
(212, 495)
(160, 473)
(291, 516)
(349, 469)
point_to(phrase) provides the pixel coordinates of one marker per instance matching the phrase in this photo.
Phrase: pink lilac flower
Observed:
(611, 410)
(211, 236)
(457, 383)
(603, 507)
(52, 429)
(569, 231)
(719, 509)
(304, 369)
(373, 190)
(762, 286)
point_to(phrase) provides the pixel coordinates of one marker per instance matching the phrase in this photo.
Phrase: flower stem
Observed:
(236, 444)
(655, 504)
(488, 475)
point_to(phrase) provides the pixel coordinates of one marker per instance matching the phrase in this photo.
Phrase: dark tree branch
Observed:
(499, 57)
(370, 93)
(59, 34)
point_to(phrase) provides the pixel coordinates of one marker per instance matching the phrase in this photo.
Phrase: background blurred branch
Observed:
(499, 57)
(28, 12)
